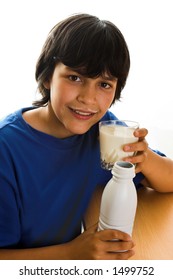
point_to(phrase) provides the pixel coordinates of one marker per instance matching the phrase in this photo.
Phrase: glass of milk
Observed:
(114, 134)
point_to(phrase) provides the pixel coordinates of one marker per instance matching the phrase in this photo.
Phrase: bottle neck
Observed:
(123, 170)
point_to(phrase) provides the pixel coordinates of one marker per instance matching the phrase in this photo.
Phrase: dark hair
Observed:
(87, 44)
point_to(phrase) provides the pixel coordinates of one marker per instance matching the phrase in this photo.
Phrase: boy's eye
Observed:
(74, 78)
(105, 85)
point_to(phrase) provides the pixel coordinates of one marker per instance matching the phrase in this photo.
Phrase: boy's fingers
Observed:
(110, 234)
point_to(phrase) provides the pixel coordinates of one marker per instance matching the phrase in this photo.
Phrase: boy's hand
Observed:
(98, 245)
(139, 148)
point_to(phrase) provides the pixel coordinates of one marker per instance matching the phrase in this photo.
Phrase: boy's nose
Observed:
(87, 95)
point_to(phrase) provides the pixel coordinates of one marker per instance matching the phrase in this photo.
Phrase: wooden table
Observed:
(153, 227)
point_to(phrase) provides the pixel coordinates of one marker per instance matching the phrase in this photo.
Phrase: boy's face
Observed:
(78, 102)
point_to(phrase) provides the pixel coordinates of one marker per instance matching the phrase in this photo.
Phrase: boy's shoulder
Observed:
(109, 116)
(11, 118)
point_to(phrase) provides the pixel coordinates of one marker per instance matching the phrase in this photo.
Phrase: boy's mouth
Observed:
(83, 114)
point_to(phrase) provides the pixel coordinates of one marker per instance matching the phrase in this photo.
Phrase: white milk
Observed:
(112, 140)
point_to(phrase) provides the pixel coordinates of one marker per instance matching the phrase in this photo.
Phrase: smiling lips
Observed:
(82, 114)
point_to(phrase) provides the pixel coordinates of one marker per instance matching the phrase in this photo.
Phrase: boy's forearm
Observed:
(158, 171)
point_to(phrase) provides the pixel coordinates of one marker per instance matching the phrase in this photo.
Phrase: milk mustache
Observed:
(112, 139)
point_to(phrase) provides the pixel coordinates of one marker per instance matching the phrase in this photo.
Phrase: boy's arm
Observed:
(158, 172)
(90, 245)
(92, 214)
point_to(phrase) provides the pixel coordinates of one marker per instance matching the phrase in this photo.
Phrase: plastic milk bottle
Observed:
(119, 199)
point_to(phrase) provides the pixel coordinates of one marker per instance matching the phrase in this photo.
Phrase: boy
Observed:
(49, 153)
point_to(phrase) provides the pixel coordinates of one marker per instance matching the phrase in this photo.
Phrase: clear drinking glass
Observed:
(114, 134)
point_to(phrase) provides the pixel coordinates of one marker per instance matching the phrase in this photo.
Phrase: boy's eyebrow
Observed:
(109, 78)
(73, 69)
(79, 71)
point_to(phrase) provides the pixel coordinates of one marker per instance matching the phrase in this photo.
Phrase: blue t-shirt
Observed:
(45, 183)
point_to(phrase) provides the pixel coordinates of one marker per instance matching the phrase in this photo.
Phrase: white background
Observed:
(11, 269)
(147, 27)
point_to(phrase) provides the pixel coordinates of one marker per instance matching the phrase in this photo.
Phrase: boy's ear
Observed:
(47, 84)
